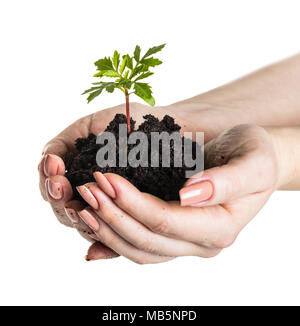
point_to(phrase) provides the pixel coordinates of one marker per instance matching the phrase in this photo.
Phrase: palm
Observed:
(188, 116)
(94, 123)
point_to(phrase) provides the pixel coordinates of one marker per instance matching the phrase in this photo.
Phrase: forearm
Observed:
(267, 97)
(286, 142)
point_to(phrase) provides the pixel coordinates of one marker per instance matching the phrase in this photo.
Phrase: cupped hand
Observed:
(56, 189)
(215, 204)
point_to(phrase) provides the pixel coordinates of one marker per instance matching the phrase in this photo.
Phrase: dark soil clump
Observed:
(163, 182)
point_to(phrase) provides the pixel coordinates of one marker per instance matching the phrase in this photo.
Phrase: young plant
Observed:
(127, 74)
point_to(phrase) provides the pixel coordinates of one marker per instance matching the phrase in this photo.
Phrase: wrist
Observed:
(286, 142)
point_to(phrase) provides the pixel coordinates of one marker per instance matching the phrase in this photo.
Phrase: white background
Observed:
(47, 54)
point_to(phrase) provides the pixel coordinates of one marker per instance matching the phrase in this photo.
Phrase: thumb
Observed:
(242, 161)
(244, 175)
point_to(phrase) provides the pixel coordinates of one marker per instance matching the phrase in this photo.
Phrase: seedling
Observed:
(127, 73)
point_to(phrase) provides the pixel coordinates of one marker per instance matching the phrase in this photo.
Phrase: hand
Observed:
(215, 205)
(56, 189)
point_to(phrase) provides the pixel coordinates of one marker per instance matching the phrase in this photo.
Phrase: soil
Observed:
(162, 182)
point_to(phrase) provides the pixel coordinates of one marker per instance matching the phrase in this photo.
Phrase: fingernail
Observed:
(72, 215)
(87, 258)
(50, 165)
(196, 193)
(89, 219)
(55, 189)
(88, 196)
(104, 184)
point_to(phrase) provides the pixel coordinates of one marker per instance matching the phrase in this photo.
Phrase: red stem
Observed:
(127, 110)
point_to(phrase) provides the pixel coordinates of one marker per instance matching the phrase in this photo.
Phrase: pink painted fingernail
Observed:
(50, 165)
(104, 184)
(72, 215)
(196, 193)
(99, 251)
(55, 189)
(89, 219)
(88, 196)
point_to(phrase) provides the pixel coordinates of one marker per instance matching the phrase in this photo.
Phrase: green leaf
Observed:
(110, 73)
(94, 94)
(110, 87)
(125, 83)
(150, 100)
(123, 64)
(90, 90)
(153, 50)
(126, 74)
(129, 62)
(104, 64)
(151, 62)
(116, 59)
(143, 90)
(98, 74)
(97, 90)
(137, 70)
(137, 53)
(144, 75)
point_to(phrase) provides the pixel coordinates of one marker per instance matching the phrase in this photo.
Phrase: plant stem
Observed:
(127, 110)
